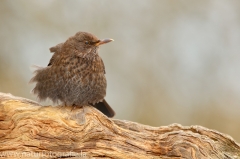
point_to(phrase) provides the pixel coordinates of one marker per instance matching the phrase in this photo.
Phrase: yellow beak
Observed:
(104, 41)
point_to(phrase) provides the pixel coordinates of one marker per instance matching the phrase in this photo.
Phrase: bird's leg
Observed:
(74, 106)
(79, 116)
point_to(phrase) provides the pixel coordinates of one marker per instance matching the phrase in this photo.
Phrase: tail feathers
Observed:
(105, 108)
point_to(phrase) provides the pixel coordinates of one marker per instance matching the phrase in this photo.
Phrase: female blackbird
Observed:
(75, 74)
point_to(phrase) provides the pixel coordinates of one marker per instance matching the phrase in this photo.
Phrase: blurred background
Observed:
(171, 61)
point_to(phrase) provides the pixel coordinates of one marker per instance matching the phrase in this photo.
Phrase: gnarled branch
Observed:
(29, 130)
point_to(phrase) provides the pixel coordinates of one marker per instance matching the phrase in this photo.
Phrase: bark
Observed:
(29, 130)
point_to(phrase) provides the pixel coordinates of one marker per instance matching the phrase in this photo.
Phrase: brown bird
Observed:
(75, 74)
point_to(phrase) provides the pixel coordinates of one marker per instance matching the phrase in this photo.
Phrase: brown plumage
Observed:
(75, 74)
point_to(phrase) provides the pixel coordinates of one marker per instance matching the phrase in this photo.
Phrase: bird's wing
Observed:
(55, 49)
(103, 66)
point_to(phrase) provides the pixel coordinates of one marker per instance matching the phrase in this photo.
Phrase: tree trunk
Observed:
(29, 130)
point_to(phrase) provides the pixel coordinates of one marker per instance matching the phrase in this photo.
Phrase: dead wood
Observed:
(29, 130)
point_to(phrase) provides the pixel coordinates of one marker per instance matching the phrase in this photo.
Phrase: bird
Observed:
(75, 74)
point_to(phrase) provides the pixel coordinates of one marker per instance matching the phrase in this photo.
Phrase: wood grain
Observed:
(29, 130)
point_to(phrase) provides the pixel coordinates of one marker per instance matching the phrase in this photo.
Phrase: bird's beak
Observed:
(104, 41)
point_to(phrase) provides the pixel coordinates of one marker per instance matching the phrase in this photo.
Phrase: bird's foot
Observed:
(78, 114)
(74, 107)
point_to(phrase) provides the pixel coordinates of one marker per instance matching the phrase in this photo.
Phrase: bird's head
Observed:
(85, 44)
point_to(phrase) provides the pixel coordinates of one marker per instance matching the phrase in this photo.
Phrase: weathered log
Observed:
(29, 130)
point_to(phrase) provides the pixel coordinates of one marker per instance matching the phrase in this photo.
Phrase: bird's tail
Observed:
(105, 108)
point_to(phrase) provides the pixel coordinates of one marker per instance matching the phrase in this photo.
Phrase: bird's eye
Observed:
(86, 42)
